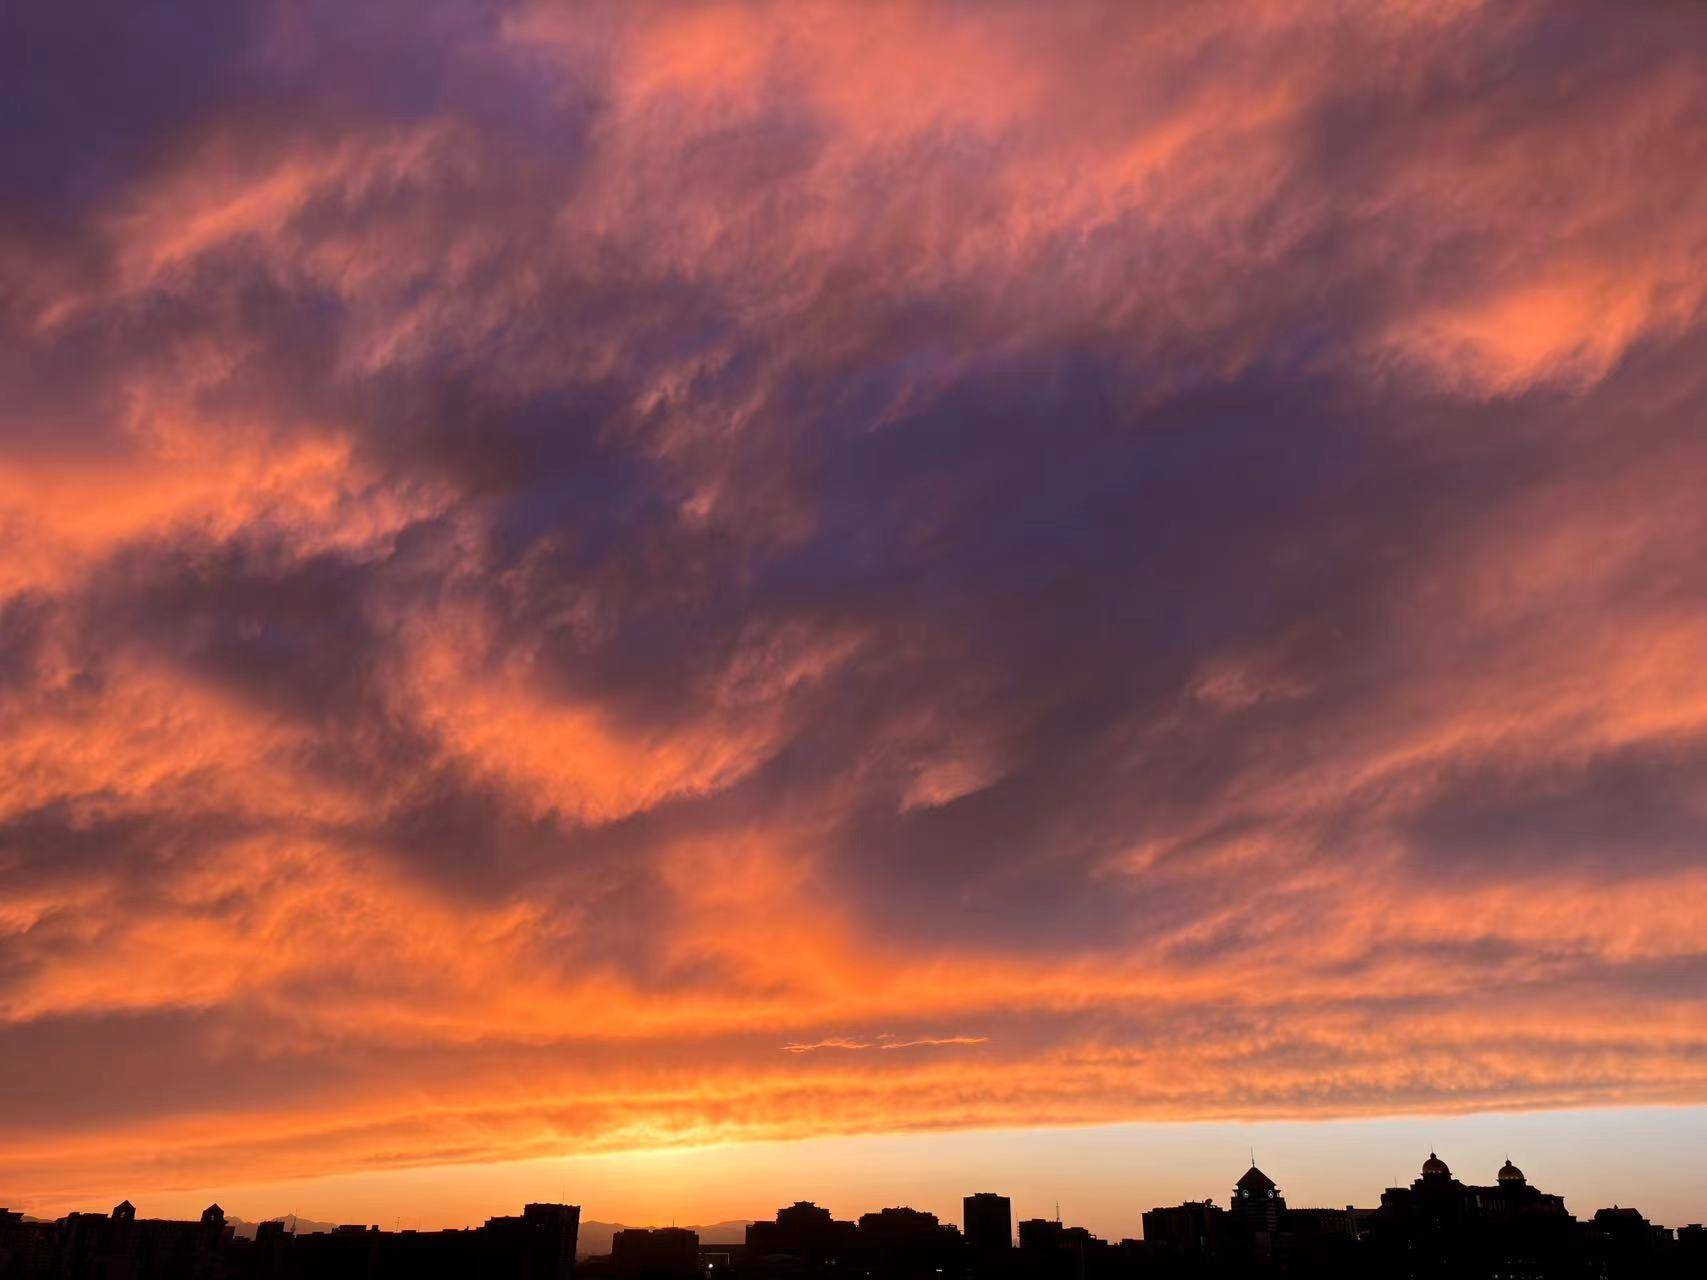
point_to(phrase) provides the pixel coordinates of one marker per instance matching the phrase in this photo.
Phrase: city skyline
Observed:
(1102, 1179)
(733, 599)
(1440, 1225)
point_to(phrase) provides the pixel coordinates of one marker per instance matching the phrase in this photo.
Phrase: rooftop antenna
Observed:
(1057, 1211)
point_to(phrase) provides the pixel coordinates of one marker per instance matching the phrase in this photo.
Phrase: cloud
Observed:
(551, 552)
(883, 1042)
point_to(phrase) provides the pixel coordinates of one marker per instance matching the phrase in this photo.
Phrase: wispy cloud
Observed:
(884, 1041)
(551, 550)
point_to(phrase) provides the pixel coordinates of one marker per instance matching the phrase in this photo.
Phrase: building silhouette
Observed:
(803, 1239)
(1441, 1226)
(1193, 1232)
(988, 1222)
(908, 1243)
(661, 1253)
(539, 1244)
(1257, 1204)
(1435, 1228)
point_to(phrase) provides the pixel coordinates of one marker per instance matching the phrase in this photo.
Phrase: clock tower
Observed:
(1257, 1202)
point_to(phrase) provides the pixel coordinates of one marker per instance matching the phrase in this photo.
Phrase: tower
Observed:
(1257, 1202)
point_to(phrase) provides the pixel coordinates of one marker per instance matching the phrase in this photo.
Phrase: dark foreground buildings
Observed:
(537, 1245)
(989, 1222)
(1437, 1228)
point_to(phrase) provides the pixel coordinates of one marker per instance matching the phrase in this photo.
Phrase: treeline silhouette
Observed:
(1437, 1228)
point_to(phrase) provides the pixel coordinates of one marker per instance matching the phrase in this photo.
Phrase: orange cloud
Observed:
(563, 568)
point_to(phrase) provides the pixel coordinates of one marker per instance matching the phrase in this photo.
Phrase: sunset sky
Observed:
(685, 606)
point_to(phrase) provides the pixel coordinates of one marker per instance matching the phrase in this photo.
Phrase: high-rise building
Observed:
(663, 1253)
(1195, 1229)
(988, 1220)
(538, 1245)
(806, 1232)
(902, 1242)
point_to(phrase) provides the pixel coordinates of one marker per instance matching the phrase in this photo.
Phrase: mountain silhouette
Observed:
(304, 1226)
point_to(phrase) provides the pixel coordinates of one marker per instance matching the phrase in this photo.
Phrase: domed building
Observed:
(1441, 1226)
(1512, 1197)
(1440, 1197)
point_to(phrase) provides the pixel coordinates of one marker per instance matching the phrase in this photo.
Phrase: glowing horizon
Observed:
(589, 581)
(1102, 1177)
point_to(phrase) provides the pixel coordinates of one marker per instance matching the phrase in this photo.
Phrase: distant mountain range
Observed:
(595, 1237)
(304, 1226)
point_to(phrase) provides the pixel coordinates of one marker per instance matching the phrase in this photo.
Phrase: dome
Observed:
(1510, 1173)
(1435, 1167)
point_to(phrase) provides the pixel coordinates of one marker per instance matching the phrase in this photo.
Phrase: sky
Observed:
(676, 606)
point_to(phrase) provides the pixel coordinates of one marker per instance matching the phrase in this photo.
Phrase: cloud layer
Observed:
(568, 568)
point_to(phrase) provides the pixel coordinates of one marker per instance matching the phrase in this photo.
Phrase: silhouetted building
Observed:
(1437, 1228)
(988, 1220)
(537, 1245)
(1690, 1250)
(1255, 1212)
(1257, 1203)
(662, 1253)
(1051, 1251)
(803, 1239)
(904, 1242)
(121, 1246)
(1194, 1230)
(351, 1252)
(1320, 1242)
(1623, 1245)
(28, 1250)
